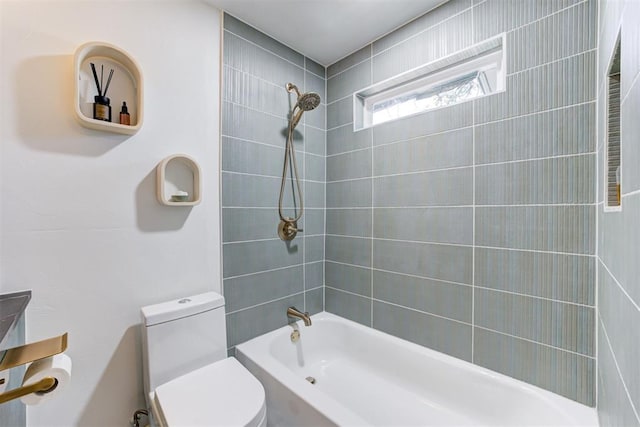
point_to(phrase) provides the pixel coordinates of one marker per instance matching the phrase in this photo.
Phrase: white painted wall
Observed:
(80, 225)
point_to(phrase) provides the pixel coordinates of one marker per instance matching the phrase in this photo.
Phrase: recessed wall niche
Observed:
(613, 161)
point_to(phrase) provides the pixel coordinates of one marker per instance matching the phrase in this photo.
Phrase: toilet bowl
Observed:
(188, 379)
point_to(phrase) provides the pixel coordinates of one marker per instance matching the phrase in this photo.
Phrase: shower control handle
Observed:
(287, 229)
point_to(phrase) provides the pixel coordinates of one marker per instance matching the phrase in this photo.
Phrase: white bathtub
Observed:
(367, 377)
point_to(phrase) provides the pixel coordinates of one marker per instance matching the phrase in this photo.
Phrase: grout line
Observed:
(398, 273)
(233, 242)
(302, 198)
(372, 193)
(400, 174)
(549, 110)
(261, 271)
(596, 281)
(399, 240)
(537, 342)
(270, 51)
(473, 226)
(631, 193)
(247, 107)
(537, 159)
(504, 291)
(269, 176)
(280, 147)
(620, 377)
(555, 61)
(265, 303)
(533, 205)
(421, 312)
(620, 286)
(633, 83)
(348, 152)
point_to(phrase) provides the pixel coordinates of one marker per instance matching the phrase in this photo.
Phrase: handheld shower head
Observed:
(305, 102)
(308, 101)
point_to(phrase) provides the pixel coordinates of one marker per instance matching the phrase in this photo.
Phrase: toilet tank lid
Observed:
(181, 307)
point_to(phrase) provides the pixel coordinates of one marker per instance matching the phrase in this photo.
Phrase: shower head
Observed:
(308, 101)
(305, 102)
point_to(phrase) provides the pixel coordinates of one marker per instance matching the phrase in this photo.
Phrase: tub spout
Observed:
(294, 312)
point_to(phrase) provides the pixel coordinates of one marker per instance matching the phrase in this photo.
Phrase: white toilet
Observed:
(188, 378)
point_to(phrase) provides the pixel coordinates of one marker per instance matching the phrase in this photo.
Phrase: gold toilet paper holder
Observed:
(27, 353)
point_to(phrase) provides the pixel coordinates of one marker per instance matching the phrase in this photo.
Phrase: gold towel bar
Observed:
(17, 356)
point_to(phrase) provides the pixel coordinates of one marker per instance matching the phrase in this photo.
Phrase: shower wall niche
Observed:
(262, 275)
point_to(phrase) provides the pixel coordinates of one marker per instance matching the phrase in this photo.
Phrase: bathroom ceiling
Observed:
(326, 30)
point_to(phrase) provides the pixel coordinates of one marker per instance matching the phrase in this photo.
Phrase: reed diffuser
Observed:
(102, 104)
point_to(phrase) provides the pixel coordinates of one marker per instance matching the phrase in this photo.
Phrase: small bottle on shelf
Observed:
(125, 118)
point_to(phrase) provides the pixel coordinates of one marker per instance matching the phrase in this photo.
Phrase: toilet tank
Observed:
(180, 336)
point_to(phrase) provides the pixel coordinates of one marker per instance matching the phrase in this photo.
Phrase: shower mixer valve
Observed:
(287, 229)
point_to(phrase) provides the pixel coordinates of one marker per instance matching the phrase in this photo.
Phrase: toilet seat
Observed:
(223, 393)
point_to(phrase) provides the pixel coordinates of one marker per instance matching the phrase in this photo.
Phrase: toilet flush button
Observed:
(184, 301)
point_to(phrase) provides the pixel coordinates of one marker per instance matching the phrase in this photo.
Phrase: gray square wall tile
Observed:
(563, 180)
(349, 306)
(351, 165)
(435, 225)
(348, 278)
(434, 261)
(349, 250)
(452, 187)
(349, 222)
(351, 80)
(440, 151)
(252, 257)
(567, 374)
(239, 28)
(314, 301)
(569, 278)
(618, 315)
(561, 325)
(443, 335)
(569, 229)
(247, 291)
(250, 323)
(614, 406)
(313, 275)
(551, 133)
(431, 296)
(349, 61)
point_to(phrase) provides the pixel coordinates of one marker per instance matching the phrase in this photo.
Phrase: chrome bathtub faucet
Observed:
(294, 312)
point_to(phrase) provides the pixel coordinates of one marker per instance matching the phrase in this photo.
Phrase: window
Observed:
(465, 75)
(612, 175)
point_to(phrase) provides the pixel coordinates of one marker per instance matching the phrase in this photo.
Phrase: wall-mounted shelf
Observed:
(126, 85)
(175, 174)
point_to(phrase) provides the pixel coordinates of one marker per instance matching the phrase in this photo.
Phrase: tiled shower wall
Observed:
(263, 275)
(619, 232)
(471, 229)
